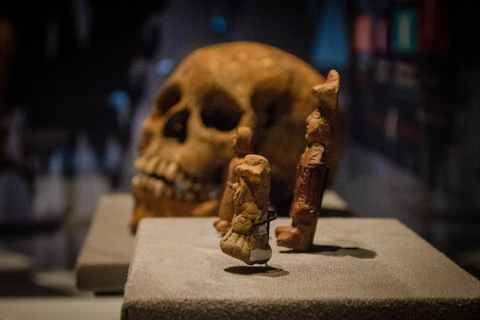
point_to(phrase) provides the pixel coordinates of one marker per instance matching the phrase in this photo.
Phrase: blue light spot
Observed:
(218, 24)
(164, 66)
(330, 45)
(119, 99)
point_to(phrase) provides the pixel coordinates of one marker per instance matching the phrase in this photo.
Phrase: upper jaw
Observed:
(161, 179)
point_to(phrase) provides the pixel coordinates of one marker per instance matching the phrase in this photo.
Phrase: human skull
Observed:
(186, 146)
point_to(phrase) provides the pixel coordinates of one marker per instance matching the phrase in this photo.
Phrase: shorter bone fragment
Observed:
(242, 146)
(247, 240)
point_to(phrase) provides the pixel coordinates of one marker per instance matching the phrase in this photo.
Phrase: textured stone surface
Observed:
(102, 264)
(356, 269)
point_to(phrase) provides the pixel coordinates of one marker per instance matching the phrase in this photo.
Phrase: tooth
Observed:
(171, 171)
(152, 181)
(161, 167)
(148, 184)
(143, 182)
(138, 164)
(158, 188)
(150, 166)
(135, 180)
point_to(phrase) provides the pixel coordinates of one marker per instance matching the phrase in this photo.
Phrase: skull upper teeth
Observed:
(171, 171)
(165, 180)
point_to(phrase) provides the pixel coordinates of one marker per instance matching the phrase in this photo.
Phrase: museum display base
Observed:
(102, 264)
(358, 268)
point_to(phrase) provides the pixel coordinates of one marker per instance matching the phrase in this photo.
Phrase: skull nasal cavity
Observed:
(220, 111)
(176, 126)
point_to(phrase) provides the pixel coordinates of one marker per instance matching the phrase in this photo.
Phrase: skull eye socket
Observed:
(270, 105)
(220, 111)
(168, 98)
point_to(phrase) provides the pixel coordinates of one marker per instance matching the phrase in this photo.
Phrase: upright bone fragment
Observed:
(242, 144)
(247, 240)
(311, 171)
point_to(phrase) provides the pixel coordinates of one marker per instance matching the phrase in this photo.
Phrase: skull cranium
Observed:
(186, 140)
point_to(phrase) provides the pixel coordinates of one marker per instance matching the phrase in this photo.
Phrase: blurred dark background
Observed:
(78, 77)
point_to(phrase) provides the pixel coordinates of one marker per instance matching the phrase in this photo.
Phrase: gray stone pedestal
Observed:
(102, 265)
(357, 269)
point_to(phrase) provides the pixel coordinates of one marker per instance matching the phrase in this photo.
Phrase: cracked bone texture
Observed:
(312, 172)
(246, 241)
(185, 146)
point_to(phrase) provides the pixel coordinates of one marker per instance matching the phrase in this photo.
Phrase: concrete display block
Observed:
(357, 269)
(102, 265)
